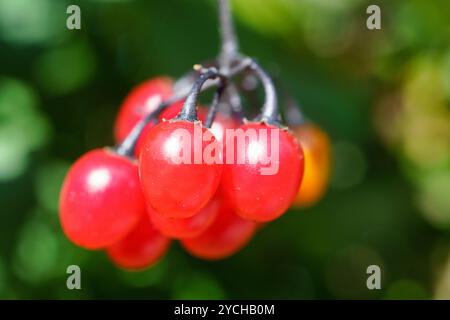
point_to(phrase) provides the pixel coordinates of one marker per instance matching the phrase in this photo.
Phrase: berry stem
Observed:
(248, 86)
(293, 114)
(127, 146)
(269, 111)
(230, 49)
(189, 110)
(234, 99)
(229, 53)
(215, 105)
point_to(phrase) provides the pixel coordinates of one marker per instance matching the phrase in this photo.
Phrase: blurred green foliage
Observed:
(382, 95)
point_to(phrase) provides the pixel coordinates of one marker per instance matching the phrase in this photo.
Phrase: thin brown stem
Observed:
(230, 49)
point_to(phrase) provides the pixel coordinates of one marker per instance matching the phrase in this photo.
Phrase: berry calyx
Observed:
(187, 227)
(143, 247)
(101, 199)
(316, 147)
(173, 110)
(228, 234)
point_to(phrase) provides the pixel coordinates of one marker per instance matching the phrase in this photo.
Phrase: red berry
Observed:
(228, 234)
(141, 248)
(257, 196)
(178, 188)
(141, 101)
(101, 199)
(187, 227)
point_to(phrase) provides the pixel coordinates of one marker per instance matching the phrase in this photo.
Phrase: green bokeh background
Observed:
(382, 95)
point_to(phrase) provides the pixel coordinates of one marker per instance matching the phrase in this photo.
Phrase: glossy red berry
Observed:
(141, 248)
(256, 195)
(101, 199)
(228, 234)
(142, 100)
(186, 227)
(173, 183)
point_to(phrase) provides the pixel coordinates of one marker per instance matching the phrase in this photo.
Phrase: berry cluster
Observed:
(133, 199)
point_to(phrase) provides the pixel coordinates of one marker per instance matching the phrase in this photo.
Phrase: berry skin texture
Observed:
(141, 101)
(143, 247)
(187, 227)
(180, 188)
(101, 199)
(316, 146)
(228, 234)
(256, 196)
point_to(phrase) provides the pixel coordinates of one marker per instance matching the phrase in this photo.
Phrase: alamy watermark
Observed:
(74, 279)
(373, 22)
(251, 146)
(73, 22)
(374, 280)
